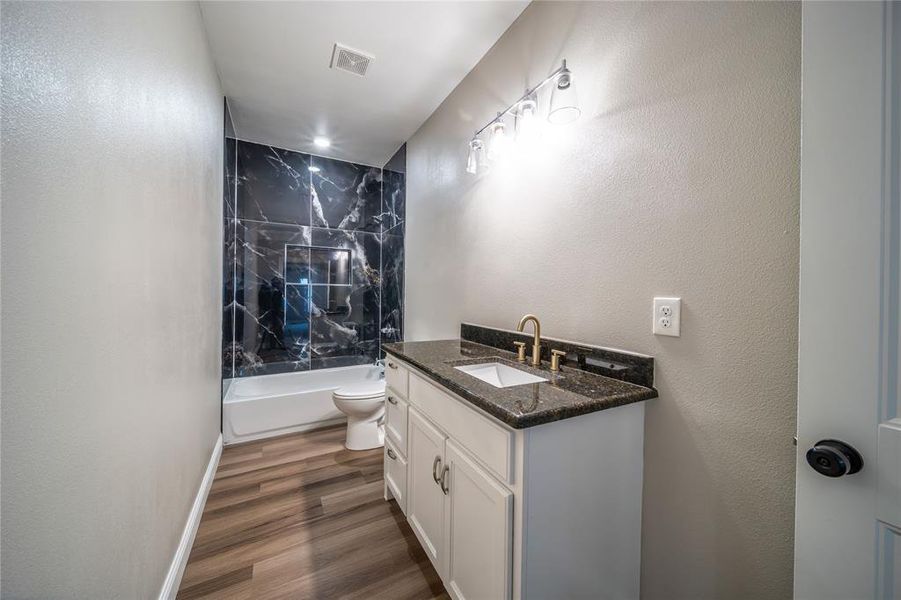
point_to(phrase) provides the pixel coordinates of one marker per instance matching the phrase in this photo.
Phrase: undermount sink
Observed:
(500, 375)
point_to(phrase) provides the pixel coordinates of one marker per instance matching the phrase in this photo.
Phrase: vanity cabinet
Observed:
(460, 513)
(426, 506)
(396, 419)
(396, 474)
(396, 453)
(549, 511)
(477, 529)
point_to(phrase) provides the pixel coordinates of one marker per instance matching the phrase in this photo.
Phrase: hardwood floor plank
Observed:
(344, 499)
(300, 516)
(217, 584)
(412, 582)
(230, 497)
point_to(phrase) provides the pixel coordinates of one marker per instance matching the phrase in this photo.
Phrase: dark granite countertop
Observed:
(567, 393)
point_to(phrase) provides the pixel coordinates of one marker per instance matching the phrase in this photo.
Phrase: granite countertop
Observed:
(567, 393)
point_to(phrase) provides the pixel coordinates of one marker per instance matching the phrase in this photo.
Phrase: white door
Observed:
(425, 498)
(479, 539)
(848, 524)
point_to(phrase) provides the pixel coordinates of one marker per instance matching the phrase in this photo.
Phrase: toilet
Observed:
(364, 405)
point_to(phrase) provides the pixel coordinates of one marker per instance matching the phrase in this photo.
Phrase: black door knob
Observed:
(833, 458)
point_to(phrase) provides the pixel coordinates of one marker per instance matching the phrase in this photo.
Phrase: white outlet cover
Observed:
(667, 316)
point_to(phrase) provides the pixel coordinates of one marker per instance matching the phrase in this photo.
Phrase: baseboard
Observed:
(180, 560)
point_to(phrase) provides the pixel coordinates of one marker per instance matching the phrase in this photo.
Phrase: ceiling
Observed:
(273, 60)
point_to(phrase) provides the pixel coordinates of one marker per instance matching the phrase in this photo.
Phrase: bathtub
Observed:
(269, 405)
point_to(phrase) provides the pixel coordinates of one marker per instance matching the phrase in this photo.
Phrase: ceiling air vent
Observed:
(350, 60)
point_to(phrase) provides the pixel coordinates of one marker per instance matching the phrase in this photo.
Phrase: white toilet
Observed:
(364, 405)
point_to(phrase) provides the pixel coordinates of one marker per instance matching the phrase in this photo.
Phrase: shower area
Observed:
(313, 266)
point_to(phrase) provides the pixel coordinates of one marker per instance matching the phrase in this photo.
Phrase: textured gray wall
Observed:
(681, 178)
(111, 275)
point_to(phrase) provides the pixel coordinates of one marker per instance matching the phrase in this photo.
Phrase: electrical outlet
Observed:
(667, 313)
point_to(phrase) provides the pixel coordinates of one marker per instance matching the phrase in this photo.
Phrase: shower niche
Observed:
(326, 272)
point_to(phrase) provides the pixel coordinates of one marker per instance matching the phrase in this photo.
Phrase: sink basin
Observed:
(500, 375)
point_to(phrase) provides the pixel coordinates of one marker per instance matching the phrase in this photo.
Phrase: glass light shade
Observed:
(526, 119)
(476, 156)
(498, 142)
(564, 101)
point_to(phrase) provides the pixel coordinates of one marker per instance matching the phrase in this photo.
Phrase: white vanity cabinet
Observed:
(460, 514)
(426, 502)
(550, 511)
(478, 530)
(396, 452)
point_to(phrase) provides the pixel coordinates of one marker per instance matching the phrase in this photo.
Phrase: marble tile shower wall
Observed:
(313, 261)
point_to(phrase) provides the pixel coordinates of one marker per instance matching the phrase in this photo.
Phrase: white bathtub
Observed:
(269, 405)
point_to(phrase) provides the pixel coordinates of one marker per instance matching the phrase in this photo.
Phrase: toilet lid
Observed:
(362, 391)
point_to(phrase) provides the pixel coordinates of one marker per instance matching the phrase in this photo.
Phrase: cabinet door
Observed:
(425, 500)
(479, 538)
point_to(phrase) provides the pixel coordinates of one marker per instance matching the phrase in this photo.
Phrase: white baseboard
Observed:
(180, 560)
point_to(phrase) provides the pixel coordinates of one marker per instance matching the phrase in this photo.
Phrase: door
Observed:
(479, 539)
(847, 521)
(425, 498)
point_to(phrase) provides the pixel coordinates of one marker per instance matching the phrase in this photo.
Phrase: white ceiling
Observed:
(273, 59)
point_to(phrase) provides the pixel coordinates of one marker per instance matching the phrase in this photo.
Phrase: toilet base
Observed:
(364, 434)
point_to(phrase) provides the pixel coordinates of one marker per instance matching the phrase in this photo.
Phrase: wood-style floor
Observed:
(300, 516)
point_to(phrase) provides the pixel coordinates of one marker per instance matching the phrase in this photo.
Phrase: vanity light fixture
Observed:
(564, 103)
(322, 142)
(476, 156)
(563, 108)
(498, 141)
(313, 169)
(526, 118)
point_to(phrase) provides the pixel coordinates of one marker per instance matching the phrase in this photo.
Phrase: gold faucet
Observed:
(536, 343)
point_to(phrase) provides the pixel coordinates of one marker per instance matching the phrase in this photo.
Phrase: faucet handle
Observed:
(520, 351)
(556, 355)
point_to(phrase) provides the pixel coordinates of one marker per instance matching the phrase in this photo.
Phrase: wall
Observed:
(291, 311)
(680, 178)
(111, 183)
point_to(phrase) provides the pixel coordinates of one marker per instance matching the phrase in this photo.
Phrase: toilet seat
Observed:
(361, 391)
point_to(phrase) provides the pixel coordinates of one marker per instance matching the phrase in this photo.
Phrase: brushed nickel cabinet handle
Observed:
(391, 454)
(435, 465)
(444, 487)
(392, 365)
(392, 399)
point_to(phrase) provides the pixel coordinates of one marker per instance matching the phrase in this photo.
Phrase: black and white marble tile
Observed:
(228, 295)
(228, 257)
(229, 182)
(392, 288)
(345, 318)
(272, 313)
(346, 195)
(394, 196)
(305, 270)
(273, 184)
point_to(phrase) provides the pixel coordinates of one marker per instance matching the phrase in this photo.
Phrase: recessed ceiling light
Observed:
(314, 169)
(322, 142)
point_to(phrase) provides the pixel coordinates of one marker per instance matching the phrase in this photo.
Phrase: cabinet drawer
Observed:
(488, 442)
(396, 475)
(396, 375)
(396, 420)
